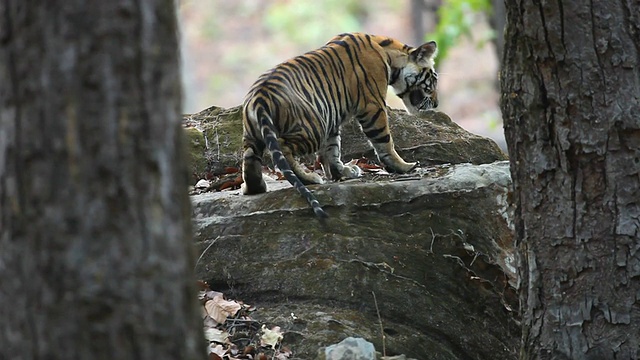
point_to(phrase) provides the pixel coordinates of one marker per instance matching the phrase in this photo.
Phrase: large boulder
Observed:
(427, 257)
(434, 252)
(431, 138)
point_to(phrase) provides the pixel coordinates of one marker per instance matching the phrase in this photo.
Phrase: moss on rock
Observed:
(196, 148)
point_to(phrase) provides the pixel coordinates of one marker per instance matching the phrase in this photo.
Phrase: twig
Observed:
(275, 350)
(206, 139)
(218, 143)
(433, 238)
(382, 268)
(375, 301)
(459, 234)
(457, 258)
(475, 256)
(205, 250)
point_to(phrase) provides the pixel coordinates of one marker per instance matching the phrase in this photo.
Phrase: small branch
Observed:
(218, 142)
(382, 268)
(375, 301)
(475, 256)
(205, 250)
(433, 238)
(457, 258)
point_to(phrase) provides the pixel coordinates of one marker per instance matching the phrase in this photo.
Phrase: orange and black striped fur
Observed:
(297, 107)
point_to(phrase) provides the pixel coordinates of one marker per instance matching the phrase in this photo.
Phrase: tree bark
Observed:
(95, 234)
(571, 104)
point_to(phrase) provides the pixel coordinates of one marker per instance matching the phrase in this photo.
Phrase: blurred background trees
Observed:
(227, 45)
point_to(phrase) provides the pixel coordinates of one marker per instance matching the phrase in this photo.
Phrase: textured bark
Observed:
(95, 250)
(570, 100)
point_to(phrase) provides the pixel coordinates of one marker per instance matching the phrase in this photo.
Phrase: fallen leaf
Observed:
(208, 321)
(231, 184)
(284, 354)
(217, 335)
(270, 337)
(217, 350)
(211, 294)
(366, 165)
(219, 309)
(249, 350)
(202, 285)
(233, 349)
(203, 184)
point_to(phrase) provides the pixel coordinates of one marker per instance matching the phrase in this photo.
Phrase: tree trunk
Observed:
(95, 237)
(571, 107)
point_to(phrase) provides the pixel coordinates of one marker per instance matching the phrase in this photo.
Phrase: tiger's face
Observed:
(417, 81)
(421, 92)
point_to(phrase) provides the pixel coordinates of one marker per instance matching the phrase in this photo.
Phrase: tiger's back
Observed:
(297, 107)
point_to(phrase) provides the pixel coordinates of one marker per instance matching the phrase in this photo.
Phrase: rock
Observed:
(427, 256)
(221, 130)
(351, 349)
(196, 151)
(431, 138)
(432, 249)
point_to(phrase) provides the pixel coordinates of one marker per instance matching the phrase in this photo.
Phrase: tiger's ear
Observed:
(425, 53)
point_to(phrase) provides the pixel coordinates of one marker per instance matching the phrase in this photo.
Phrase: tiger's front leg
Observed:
(375, 126)
(332, 165)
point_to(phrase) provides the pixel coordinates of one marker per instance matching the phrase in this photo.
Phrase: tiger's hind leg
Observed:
(252, 169)
(332, 165)
(375, 126)
(306, 176)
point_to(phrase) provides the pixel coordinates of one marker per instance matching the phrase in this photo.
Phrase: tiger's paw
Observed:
(402, 167)
(254, 188)
(310, 178)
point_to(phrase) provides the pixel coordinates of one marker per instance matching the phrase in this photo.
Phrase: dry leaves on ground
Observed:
(233, 334)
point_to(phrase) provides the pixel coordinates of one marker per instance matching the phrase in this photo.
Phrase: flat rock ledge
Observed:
(431, 252)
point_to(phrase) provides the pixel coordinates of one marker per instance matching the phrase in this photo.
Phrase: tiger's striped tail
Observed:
(270, 138)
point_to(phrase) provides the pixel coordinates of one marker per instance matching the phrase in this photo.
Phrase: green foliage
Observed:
(456, 18)
(315, 22)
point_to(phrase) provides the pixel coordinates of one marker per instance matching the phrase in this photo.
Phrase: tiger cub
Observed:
(297, 107)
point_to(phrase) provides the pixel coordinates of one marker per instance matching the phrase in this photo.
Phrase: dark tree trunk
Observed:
(571, 107)
(94, 216)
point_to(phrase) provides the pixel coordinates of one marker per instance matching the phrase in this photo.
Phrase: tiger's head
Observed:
(416, 82)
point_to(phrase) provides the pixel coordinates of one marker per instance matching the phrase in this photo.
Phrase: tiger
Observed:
(297, 108)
